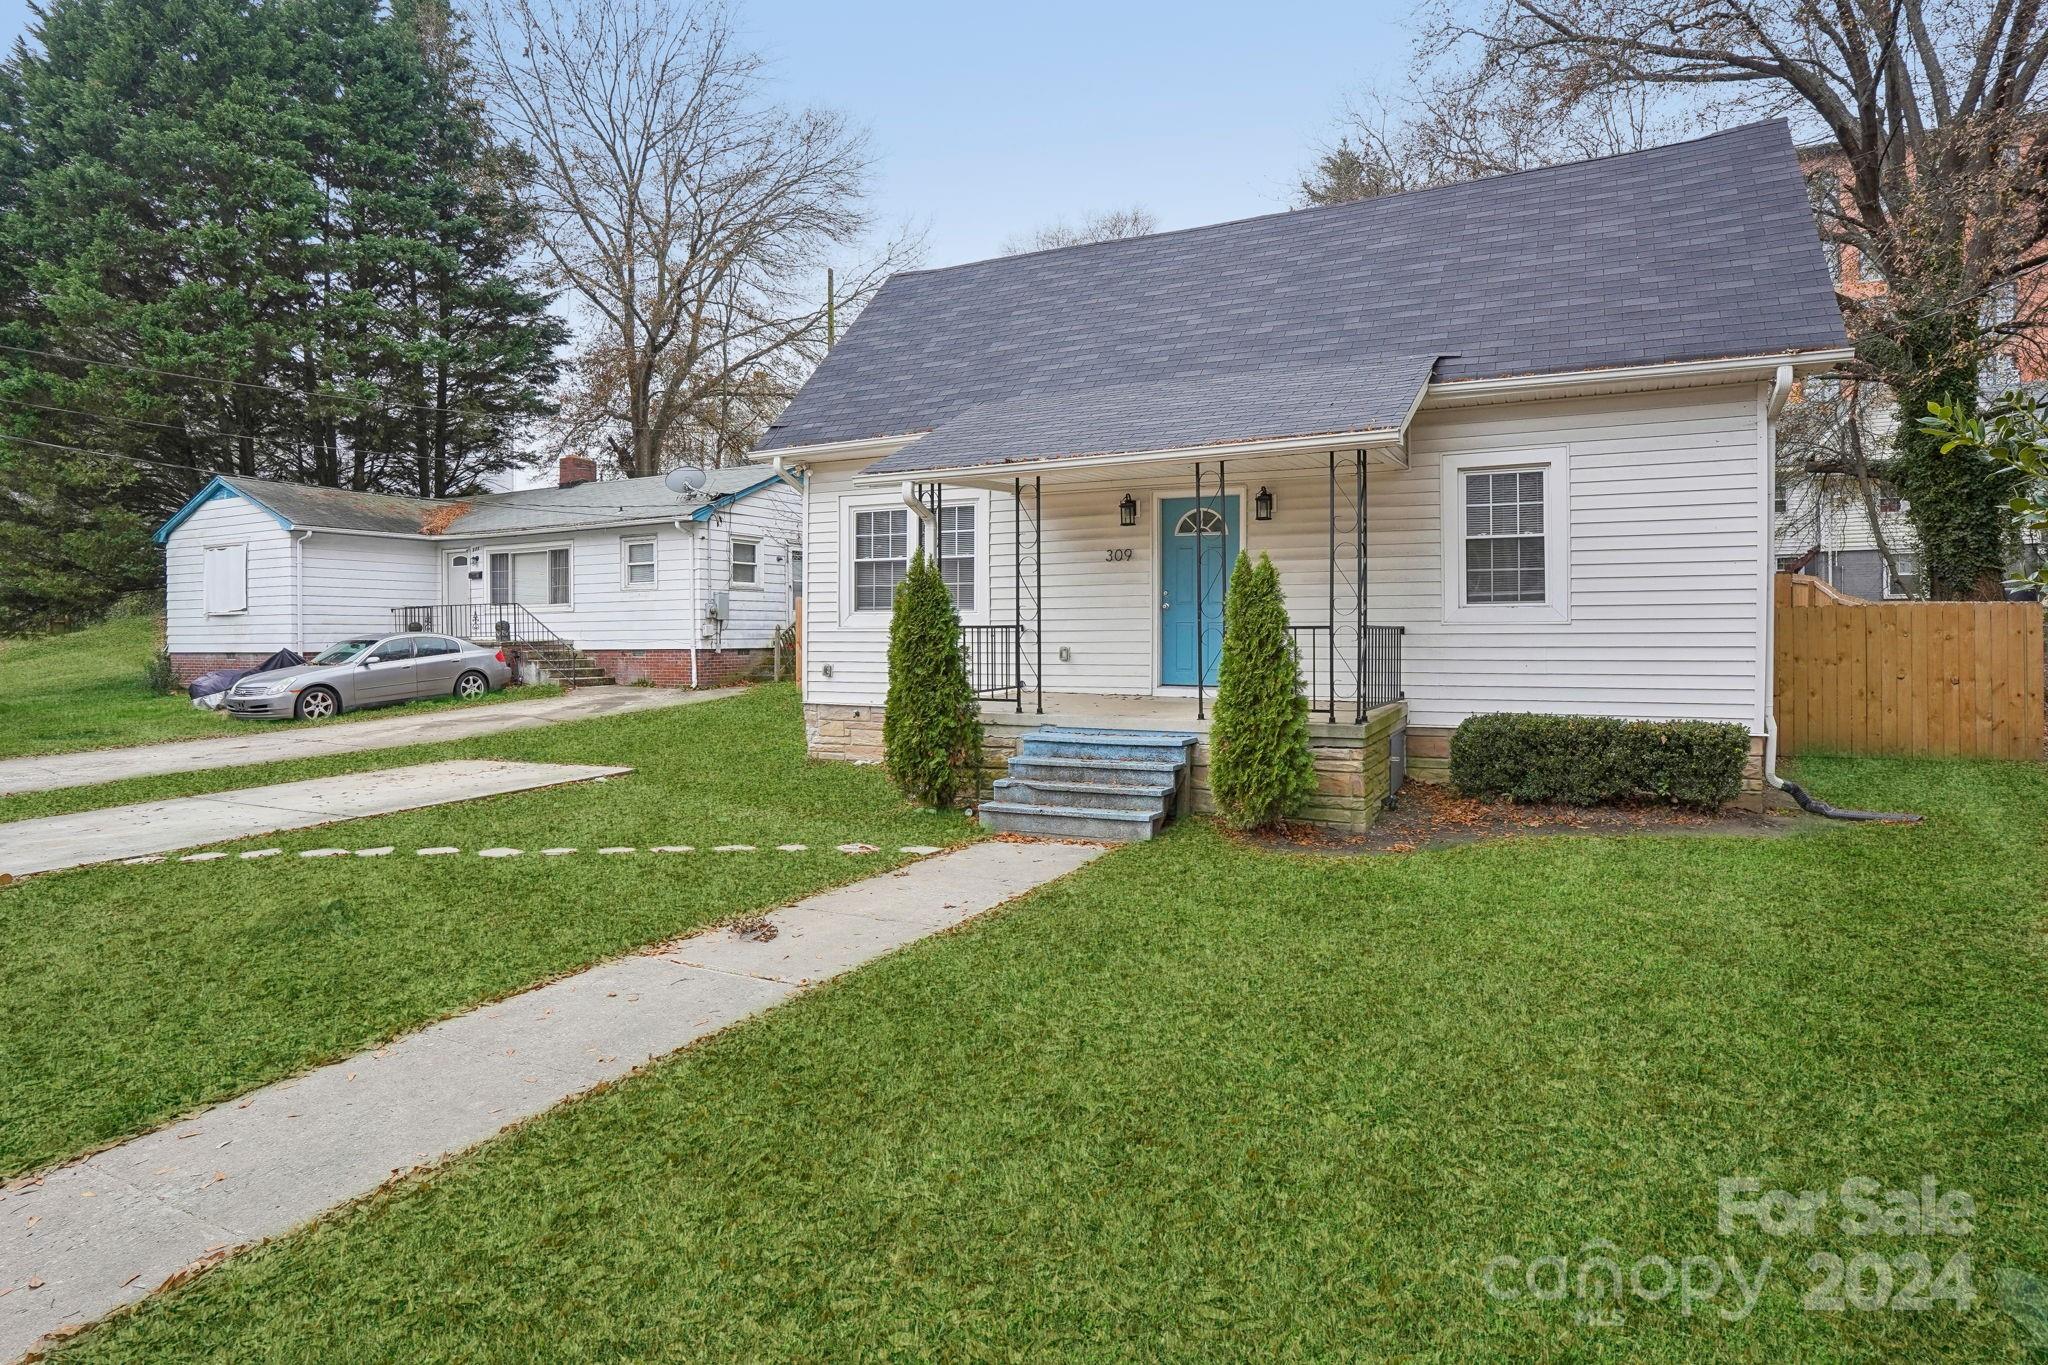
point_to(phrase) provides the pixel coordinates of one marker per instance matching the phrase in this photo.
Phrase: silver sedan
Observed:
(370, 671)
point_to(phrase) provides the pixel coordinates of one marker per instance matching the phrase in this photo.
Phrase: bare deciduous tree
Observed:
(1112, 225)
(1929, 117)
(690, 215)
(1446, 129)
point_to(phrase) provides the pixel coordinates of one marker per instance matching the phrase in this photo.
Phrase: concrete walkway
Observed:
(276, 741)
(98, 836)
(86, 1238)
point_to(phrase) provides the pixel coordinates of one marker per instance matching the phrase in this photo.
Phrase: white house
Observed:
(1509, 444)
(619, 578)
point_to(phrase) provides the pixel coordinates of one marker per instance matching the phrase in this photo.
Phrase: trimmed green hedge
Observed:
(1592, 760)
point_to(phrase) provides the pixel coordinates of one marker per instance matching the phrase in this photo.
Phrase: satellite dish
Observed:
(683, 480)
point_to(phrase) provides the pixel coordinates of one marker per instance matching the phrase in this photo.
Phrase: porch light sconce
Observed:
(1262, 505)
(1127, 511)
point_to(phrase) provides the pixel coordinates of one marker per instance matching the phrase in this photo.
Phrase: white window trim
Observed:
(732, 558)
(879, 502)
(532, 547)
(1555, 462)
(626, 583)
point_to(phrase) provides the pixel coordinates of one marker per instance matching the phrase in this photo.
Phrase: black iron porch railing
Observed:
(1322, 676)
(1381, 667)
(995, 662)
(1312, 656)
(500, 623)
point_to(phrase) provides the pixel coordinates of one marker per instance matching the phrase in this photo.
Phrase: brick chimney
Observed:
(575, 469)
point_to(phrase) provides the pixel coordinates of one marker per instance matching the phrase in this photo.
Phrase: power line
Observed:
(193, 470)
(230, 383)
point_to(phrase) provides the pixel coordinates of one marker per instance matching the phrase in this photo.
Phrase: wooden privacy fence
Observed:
(1957, 678)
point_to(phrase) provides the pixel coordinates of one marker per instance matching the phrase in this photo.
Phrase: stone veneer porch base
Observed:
(1352, 761)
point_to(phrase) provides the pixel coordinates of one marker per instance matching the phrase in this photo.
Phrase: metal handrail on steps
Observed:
(498, 623)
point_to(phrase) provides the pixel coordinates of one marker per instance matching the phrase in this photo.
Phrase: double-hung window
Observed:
(957, 552)
(881, 556)
(746, 563)
(1504, 538)
(639, 556)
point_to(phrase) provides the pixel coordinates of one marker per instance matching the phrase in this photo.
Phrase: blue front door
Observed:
(1191, 616)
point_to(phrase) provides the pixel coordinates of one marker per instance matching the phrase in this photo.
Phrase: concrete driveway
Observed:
(99, 836)
(277, 741)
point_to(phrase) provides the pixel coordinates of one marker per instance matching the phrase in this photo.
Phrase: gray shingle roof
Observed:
(597, 503)
(1695, 251)
(1175, 414)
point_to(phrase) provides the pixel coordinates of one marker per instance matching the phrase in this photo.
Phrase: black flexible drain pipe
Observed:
(1808, 803)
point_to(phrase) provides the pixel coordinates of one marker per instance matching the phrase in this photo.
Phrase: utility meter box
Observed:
(720, 605)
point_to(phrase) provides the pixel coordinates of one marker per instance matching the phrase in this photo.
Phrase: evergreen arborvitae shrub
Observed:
(931, 725)
(1260, 769)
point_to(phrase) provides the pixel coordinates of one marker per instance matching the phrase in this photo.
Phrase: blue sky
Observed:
(989, 120)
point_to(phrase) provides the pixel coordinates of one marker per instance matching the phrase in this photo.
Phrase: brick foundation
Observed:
(186, 667)
(671, 667)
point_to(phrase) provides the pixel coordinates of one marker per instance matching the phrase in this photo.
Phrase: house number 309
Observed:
(1119, 556)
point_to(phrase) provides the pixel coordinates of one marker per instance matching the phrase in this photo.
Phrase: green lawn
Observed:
(132, 994)
(84, 690)
(1205, 1102)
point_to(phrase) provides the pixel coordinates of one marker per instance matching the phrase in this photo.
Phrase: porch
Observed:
(1112, 581)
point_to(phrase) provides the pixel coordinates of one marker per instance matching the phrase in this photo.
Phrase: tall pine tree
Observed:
(291, 207)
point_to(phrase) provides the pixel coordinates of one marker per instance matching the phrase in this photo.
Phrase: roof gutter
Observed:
(1731, 368)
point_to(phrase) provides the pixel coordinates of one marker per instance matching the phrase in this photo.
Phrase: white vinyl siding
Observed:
(1658, 505)
(227, 579)
(266, 621)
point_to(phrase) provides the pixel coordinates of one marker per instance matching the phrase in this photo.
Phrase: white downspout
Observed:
(691, 541)
(1781, 390)
(299, 590)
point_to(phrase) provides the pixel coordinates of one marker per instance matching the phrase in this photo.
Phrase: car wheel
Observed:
(318, 703)
(470, 686)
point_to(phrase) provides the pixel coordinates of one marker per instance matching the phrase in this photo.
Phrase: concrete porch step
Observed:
(1155, 746)
(1156, 796)
(1063, 822)
(1100, 772)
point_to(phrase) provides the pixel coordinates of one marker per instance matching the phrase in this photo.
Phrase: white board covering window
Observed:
(746, 564)
(957, 551)
(881, 556)
(530, 577)
(639, 556)
(226, 579)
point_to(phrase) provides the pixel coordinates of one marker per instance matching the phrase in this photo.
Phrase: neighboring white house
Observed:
(621, 576)
(1509, 444)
